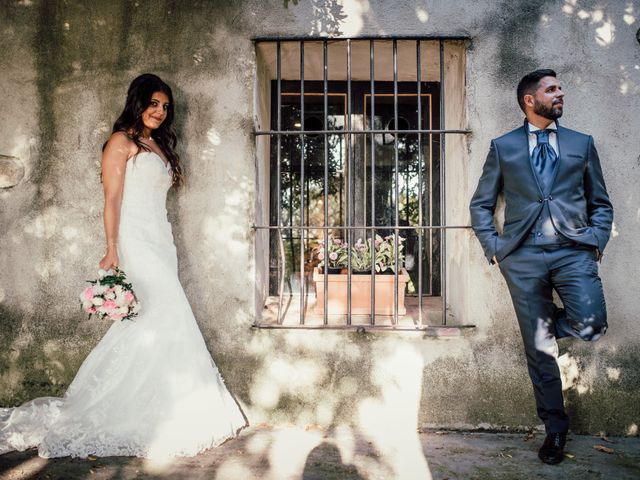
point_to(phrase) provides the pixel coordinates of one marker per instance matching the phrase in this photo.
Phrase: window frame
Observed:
(348, 134)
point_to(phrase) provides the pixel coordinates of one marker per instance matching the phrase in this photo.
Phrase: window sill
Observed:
(436, 331)
(429, 324)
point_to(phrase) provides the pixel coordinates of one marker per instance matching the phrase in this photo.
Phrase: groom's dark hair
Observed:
(529, 83)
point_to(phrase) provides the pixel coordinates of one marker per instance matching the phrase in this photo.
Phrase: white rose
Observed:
(124, 310)
(99, 289)
(98, 301)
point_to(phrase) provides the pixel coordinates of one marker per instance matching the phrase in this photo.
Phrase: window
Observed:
(351, 146)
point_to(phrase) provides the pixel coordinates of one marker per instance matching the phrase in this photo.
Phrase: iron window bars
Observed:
(347, 133)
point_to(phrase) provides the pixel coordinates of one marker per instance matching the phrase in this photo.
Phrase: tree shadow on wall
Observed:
(328, 16)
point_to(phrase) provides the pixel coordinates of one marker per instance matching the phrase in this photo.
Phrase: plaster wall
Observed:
(66, 67)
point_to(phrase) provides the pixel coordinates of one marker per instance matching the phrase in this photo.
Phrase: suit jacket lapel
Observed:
(527, 159)
(559, 137)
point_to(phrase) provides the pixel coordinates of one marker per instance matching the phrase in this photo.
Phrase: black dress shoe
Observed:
(552, 450)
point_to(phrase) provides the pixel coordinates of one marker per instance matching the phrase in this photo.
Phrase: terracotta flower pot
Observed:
(333, 271)
(360, 293)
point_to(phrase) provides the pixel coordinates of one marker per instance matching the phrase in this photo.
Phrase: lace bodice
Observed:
(146, 183)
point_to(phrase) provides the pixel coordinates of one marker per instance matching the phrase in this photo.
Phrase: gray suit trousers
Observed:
(531, 273)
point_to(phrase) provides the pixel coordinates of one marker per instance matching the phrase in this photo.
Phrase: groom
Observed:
(557, 222)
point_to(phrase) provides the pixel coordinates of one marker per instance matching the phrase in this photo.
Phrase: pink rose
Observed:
(90, 310)
(109, 305)
(333, 256)
(88, 293)
(321, 256)
(128, 297)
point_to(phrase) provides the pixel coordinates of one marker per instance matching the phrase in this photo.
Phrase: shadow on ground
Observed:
(451, 455)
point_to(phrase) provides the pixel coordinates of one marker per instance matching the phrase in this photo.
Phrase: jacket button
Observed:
(550, 197)
(539, 200)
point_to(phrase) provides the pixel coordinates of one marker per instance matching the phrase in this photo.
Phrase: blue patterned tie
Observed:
(544, 157)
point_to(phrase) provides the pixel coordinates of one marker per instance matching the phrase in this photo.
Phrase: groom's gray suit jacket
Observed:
(577, 198)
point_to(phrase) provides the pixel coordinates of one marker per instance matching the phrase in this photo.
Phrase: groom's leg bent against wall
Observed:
(574, 275)
(528, 278)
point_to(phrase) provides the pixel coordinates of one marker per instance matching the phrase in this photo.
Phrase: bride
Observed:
(150, 387)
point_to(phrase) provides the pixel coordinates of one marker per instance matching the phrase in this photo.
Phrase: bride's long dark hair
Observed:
(139, 96)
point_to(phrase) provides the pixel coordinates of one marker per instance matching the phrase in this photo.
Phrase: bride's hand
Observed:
(110, 259)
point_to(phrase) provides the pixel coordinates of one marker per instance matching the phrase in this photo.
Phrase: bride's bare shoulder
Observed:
(121, 144)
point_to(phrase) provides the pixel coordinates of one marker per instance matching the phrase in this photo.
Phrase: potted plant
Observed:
(386, 254)
(361, 258)
(336, 254)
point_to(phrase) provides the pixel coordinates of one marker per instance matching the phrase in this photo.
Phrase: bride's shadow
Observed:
(325, 461)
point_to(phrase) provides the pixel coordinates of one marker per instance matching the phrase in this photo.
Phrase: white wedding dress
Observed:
(150, 387)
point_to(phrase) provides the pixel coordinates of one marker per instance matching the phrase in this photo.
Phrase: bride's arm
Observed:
(114, 162)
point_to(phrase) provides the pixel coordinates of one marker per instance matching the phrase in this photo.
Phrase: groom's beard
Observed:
(550, 113)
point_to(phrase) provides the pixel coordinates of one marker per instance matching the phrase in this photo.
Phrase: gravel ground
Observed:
(289, 452)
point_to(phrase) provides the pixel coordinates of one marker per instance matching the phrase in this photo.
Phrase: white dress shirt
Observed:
(553, 137)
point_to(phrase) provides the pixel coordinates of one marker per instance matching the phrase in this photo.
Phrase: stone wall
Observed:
(65, 70)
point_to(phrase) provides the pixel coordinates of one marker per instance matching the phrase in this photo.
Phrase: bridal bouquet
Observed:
(110, 296)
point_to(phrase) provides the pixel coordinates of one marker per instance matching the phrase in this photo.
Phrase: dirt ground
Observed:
(289, 452)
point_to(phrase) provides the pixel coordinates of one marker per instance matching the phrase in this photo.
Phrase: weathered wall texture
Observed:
(65, 69)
